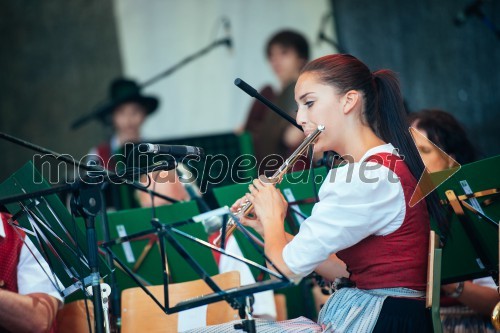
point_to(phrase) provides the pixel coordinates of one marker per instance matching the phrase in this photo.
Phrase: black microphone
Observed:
(227, 28)
(176, 151)
(253, 93)
(321, 33)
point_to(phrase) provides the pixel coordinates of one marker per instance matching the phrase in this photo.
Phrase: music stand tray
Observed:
(471, 199)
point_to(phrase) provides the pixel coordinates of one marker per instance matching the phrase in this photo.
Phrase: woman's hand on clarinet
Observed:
(251, 220)
(269, 204)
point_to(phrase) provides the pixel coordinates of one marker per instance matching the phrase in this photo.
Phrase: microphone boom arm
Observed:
(97, 110)
(253, 93)
(223, 41)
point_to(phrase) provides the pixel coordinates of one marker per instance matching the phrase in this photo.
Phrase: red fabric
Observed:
(448, 301)
(259, 111)
(10, 251)
(104, 152)
(400, 258)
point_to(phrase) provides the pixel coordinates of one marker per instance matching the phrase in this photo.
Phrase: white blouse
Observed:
(356, 201)
(31, 277)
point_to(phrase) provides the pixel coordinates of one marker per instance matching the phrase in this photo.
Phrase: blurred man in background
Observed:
(287, 52)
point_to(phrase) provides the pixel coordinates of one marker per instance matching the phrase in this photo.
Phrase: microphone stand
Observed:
(253, 93)
(187, 60)
(475, 9)
(323, 37)
(71, 161)
(98, 110)
(115, 296)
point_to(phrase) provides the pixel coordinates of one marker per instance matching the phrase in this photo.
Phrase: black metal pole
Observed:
(185, 61)
(98, 110)
(253, 93)
(41, 193)
(95, 276)
(88, 204)
(115, 293)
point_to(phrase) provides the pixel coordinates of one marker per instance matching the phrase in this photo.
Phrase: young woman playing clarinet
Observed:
(363, 216)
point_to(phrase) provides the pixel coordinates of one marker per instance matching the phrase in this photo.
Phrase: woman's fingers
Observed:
(252, 189)
(236, 205)
(250, 197)
(257, 183)
(254, 223)
(248, 221)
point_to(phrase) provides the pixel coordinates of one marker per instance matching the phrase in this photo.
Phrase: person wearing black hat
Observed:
(126, 111)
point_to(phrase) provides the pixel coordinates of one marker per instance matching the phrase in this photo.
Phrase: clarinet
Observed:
(276, 178)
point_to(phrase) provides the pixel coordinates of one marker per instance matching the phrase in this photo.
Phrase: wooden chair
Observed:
(281, 310)
(434, 281)
(141, 314)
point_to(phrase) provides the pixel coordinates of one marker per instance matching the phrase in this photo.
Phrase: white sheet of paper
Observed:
(192, 318)
(127, 248)
(472, 201)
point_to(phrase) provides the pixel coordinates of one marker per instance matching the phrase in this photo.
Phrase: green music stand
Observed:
(470, 197)
(143, 256)
(65, 247)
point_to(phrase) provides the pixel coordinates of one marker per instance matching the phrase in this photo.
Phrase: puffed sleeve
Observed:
(32, 273)
(356, 201)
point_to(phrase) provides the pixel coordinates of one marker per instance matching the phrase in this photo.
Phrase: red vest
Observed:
(104, 151)
(10, 251)
(400, 258)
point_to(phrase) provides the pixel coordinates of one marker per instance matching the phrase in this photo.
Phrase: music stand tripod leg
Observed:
(105, 292)
(246, 313)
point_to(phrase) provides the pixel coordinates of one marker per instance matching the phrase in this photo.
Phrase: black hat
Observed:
(123, 91)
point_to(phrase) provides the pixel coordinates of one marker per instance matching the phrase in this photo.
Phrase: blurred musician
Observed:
(287, 52)
(126, 112)
(468, 304)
